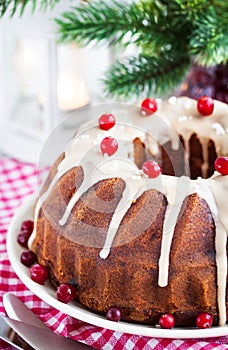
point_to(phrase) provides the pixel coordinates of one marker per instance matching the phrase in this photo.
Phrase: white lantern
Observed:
(41, 81)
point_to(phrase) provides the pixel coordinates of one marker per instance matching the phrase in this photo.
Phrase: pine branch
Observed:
(209, 42)
(103, 25)
(192, 10)
(100, 21)
(14, 5)
(146, 74)
(169, 33)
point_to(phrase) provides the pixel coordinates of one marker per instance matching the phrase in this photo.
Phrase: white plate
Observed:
(74, 309)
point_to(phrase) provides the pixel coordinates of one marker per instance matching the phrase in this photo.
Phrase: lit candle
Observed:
(71, 92)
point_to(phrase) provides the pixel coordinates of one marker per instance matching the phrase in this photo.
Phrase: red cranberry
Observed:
(109, 146)
(39, 273)
(114, 314)
(205, 105)
(149, 106)
(23, 238)
(27, 225)
(152, 169)
(204, 320)
(106, 121)
(65, 293)
(28, 258)
(167, 321)
(221, 165)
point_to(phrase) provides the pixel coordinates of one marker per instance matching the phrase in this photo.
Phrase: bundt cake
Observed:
(144, 242)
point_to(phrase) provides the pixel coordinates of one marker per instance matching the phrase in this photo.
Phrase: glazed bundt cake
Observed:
(124, 235)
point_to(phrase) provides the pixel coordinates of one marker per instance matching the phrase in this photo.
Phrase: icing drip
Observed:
(176, 190)
(39, 204)
(110, 168)
(206, 191)
(221, 261)
(212, 190)
(133, 191)
(186, 137)
(219, 188)
(86, 184)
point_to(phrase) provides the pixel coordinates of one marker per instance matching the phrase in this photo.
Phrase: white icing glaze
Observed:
(185, 120)
(205, 191)
(176, 190)
(212, 190)
(135, 186)
(219, 188)
(221, 261)
(174, 114)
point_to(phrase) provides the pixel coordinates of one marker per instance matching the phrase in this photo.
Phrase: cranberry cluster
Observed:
(39, 273)
(27, 257)
(205, 106)
(25, 233)
(108, 145)
(203, 320)
(166, 321)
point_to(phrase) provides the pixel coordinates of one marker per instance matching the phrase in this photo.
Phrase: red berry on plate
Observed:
(23, 238)
(205, 105)
(109, 146)
(149, 106)
(39, 273)
(106, 121)
(28, 258)
(204, 320)
(65, 293)
(27, 225)
(221, 165)
(152, 169)
(167, 321)
(114, 314)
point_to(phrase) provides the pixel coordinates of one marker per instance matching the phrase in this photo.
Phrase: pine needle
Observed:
(14, 5)
(138, 74)
(169, 34)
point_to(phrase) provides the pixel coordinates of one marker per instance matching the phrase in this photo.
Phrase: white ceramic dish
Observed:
(74, 309)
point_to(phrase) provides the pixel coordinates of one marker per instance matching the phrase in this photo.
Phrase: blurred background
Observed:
(42, 81)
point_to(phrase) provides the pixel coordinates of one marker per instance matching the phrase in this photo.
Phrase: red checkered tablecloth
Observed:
(18, 180)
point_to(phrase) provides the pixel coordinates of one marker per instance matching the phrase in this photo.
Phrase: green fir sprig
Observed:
(143, 74)
(169, 35)
(14, 5)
